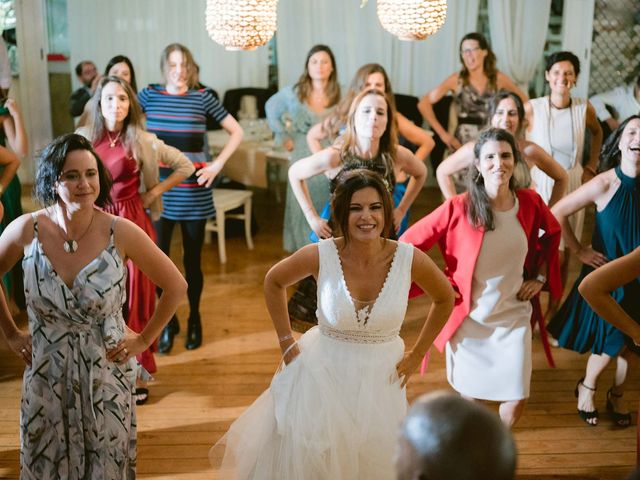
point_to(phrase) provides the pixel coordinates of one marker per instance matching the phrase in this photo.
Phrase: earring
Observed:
(478, 177)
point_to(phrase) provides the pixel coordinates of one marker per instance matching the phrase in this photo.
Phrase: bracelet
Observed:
(285, 338)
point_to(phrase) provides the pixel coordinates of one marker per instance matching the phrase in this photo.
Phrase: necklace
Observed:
(553, 150)
(70, 245)
(113, 141)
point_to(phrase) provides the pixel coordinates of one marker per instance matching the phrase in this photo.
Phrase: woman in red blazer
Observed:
(497, 262)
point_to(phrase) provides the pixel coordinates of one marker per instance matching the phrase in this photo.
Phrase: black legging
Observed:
(192, 241)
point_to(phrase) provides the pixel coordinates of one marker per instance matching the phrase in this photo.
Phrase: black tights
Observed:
(192, 241)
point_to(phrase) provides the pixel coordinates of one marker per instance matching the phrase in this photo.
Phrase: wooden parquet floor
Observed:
(197, 394)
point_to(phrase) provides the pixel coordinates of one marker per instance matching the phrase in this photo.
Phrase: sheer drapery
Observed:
(356, 37)
(518, 34)
(577, 31)
(140, 29)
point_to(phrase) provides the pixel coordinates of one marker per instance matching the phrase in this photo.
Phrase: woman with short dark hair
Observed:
(77, 414)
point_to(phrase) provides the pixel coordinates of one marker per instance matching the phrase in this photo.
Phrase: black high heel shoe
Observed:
(194, 333)
(165, 343)
(584, 415)
(620, 419)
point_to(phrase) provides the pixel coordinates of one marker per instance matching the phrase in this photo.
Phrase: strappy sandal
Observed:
(141, 395)
(620, 419)
(584, 415)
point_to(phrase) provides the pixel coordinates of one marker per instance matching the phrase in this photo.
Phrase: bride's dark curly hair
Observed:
(347, 182)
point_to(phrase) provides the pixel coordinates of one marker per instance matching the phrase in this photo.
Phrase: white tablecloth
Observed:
(248, 164)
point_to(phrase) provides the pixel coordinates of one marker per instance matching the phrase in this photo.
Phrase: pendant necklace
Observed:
(70, 245)
(113, 141)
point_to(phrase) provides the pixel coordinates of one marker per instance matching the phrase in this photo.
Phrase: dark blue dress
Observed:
(617, 233)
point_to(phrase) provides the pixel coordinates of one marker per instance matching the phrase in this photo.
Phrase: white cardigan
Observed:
(149, 152)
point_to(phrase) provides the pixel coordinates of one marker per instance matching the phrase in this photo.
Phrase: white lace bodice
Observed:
(337, 315)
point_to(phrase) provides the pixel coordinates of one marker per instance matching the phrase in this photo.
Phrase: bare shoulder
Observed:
(122, 228)
(20, 231)
(420, 260)
(403, 154)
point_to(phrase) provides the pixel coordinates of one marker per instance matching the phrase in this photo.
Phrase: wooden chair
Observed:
(225, 200)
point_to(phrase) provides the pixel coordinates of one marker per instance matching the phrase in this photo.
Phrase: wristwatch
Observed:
(541, 278)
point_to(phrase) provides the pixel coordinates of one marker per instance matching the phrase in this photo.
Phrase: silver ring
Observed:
(126, 352)
(23, 350)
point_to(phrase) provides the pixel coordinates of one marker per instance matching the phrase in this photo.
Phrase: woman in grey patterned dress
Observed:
(77, 412)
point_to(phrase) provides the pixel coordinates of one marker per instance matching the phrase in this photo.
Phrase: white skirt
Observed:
(333, 413)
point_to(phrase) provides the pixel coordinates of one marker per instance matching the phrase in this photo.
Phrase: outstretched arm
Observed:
(14, 128)
(596, 288)
(506, 83)
(11, 163)
(425, 105)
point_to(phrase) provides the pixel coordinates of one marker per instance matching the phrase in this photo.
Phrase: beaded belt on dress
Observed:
(357, 336)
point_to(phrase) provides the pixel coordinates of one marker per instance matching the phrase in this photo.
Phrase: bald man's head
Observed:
(447, 437)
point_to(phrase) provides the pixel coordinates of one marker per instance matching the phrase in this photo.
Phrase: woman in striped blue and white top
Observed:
(177, 113)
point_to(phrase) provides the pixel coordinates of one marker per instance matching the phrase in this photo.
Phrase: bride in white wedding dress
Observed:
(334, 408)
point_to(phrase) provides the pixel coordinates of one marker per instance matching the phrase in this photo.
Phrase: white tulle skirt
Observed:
(333, 413)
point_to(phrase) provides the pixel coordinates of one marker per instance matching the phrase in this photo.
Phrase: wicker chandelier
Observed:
(241, 24)
(412, 19)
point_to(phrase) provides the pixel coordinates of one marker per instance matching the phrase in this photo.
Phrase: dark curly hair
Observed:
(122, 59)
(610, 154)
(51, 164)
(346, 183)
(563, 57)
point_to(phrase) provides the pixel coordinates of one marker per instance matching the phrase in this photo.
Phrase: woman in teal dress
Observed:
(12, 129)
(615, 193)
(291, 113)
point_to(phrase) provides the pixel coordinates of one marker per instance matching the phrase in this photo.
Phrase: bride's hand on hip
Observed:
(407, 366)
(290, 352)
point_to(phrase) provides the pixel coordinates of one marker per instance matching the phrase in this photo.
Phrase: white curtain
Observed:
(356, 37)
(518, 34)
(140, 29)
(577, 32)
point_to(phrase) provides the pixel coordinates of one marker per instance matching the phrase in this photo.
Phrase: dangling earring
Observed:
(478, 177)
